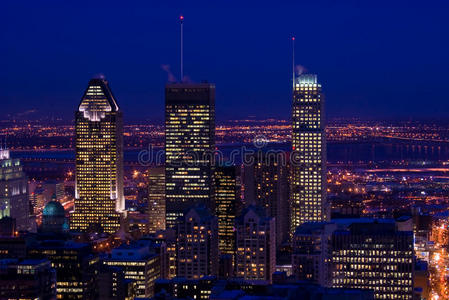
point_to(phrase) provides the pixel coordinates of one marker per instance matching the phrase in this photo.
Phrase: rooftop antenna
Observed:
(181, 19)
(293, 62)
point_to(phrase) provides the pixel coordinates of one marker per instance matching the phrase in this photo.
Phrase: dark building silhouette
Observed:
(76, 267)
(27, 279)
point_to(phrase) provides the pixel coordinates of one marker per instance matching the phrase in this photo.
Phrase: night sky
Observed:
(375, 59)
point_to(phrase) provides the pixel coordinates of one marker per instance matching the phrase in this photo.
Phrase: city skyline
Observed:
(364, 68)
(249, 207)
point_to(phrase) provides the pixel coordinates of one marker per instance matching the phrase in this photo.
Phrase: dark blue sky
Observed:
(375, 59)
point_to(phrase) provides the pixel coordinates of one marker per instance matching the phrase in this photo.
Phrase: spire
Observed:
(293, 62)
(181, 19)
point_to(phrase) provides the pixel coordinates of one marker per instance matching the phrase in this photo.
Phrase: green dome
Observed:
(54, 209)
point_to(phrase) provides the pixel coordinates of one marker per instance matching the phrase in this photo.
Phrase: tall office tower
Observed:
(197, 244)
(266, 183)
(311, 245)
(156, 199)
(256, 245)
(227, 205)
(308, 163)
(374, 256)
(99, 199)
(14, 201)
(189, 146)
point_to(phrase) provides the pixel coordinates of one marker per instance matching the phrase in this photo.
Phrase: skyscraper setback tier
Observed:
(189, 146)
(308, 191)
(99, 161)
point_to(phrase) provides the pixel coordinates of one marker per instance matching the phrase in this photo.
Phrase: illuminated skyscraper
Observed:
(189, 146)
(227, 205)
(308, 163)
(99, 197)
(156, 199)
(14, 201)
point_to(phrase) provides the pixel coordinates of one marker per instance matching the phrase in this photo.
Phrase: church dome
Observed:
(54, 209)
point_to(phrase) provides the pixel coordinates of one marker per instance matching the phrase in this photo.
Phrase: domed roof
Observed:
(53, 209)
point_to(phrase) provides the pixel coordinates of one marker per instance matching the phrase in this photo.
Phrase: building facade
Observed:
(266, 182)
(156, 199)
(308, 161)
(76, 268)
(256, 245)
(227, 205)
(27, 279)
(197, 244)
(14, 200)
(311, 252)
(139, 263)
(189, 147)
(99, 199)
(374, 256)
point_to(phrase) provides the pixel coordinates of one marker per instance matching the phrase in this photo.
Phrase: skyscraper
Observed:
(227, 205)
(308, 163)
(156, 199)
(266, 185)
(99, 197)
(189, 146)
(14, 201)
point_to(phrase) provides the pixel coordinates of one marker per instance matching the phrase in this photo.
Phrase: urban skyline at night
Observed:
(224, 151)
